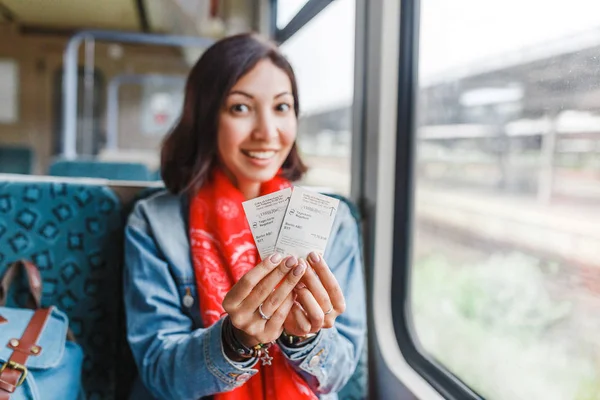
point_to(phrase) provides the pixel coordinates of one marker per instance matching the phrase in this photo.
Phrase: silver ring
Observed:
(262, 314)
(329, 311)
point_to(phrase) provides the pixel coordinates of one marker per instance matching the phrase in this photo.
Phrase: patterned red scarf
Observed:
(223, 250)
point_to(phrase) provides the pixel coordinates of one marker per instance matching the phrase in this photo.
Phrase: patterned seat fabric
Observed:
(100, 169)
(73, 233)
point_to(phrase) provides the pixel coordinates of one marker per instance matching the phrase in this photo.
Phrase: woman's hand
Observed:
(257, 287)
(319, 299)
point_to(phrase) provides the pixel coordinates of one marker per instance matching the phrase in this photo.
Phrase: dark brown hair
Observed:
(189, 151)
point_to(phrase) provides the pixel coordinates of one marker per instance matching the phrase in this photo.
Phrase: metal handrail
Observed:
(69, 133)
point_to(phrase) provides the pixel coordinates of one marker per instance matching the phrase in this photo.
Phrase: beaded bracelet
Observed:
(244, 352)
(295, 342)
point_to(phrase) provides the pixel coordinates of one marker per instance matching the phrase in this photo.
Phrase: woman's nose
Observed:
(266, 127)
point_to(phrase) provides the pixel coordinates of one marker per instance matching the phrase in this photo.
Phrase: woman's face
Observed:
(257, 125)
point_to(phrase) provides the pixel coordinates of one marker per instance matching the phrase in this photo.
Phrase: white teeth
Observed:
(262, 155)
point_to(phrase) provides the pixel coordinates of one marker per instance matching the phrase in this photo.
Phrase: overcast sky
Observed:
(322, 54)
(454, 33)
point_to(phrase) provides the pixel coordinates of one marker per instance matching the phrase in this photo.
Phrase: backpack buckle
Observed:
(17, 367)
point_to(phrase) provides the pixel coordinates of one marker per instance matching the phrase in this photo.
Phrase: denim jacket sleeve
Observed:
(175, 361)
(329, 361)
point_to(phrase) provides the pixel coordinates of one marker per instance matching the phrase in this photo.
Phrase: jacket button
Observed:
(243, 377)
(188, 301)
(314, 361)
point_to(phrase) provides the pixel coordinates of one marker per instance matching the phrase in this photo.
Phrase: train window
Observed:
(505, 280)
(124, 109)
(323, 59)
(287, 9)
(9, 89)
(89, 111)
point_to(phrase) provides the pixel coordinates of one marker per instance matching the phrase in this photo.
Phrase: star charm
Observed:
(266, 359)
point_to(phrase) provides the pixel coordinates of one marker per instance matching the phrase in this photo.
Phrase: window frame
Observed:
(310, 10)
(447, 384)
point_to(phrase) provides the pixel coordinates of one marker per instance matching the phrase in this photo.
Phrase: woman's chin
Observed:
(260, 175)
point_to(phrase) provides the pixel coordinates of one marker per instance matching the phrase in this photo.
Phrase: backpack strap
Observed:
(33, 277)
(13, 372)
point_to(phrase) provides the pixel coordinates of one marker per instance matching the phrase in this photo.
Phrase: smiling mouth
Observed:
(260, 155)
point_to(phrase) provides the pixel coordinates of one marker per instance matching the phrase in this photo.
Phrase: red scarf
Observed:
(223, 250)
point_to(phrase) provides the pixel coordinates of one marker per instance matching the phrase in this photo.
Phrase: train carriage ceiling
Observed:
(160, 16)
(75, 14)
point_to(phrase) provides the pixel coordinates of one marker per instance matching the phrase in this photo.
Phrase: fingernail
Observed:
(275, 258)
(291, 262)
(299, 269)
(314, 257)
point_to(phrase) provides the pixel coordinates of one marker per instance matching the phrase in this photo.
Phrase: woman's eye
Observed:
(239, 108)
(283, 107)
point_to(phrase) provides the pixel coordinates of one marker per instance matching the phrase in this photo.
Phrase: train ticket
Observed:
(265, 215)
(307, 223)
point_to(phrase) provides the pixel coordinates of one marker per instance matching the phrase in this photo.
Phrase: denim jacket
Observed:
(178, 358)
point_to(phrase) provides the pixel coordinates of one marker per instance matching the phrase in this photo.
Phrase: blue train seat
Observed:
(16, 160)
(156, 176)
(101, 169)
(357, 386)
(73, 233)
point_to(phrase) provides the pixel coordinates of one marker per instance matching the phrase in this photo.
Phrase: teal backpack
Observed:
(37, 362)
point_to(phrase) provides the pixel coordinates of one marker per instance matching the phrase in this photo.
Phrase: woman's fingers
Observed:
(318, 290)
(286, 275)
(331, 285)
(248, 282)
(297, 323)
(262, 302)
(260, 331)
(312, 308)
(274, 298)
(274, 326)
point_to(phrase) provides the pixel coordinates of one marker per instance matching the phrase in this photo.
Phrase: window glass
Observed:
(323, 60)
(286, 10)
(506, 256)
(9, 89)
(124, 109)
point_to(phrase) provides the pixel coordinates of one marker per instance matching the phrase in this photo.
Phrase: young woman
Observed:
(205, 317)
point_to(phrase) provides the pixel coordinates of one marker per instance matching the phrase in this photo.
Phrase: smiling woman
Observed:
(283, 327)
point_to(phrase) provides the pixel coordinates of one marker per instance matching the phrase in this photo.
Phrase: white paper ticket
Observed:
(265, 216)
(307, 223)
